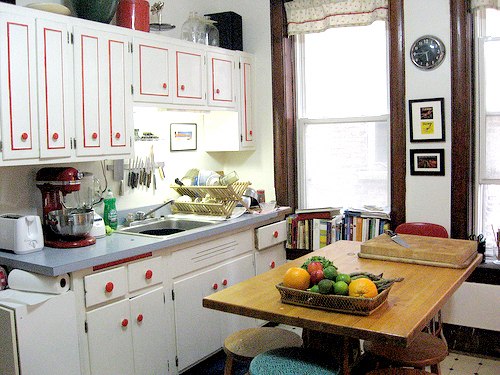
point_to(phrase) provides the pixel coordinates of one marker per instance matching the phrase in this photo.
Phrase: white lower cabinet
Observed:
(201, 331)
(129, 336)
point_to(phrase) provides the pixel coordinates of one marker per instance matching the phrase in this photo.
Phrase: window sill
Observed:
(486, 273)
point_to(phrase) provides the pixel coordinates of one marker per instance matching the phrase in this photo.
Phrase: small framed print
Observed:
(427, 162)
(427, 120)
(183, 137)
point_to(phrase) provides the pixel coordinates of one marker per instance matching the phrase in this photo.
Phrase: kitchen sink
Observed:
(165, 226)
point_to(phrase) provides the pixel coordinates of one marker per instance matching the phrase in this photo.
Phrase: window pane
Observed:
(492, 75)
(490, 215)
(493, 22)
(491, 168)
(346, 164)
(345, 72)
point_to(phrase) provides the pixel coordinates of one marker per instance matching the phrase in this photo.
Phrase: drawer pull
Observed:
(124, 322)
(140, 318)
(109, 287)
(149, 274)
(215, 286)
(224, 282)
(276, 234)
(273, 264)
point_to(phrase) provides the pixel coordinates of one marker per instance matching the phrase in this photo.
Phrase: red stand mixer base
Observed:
(61, 244)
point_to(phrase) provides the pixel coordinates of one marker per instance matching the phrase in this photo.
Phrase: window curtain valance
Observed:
(312, 16)
(485, 4)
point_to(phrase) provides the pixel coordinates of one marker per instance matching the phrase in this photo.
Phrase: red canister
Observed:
(133, 14)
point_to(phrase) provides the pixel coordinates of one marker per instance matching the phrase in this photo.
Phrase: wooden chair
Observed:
(398, 371)
(245, 345)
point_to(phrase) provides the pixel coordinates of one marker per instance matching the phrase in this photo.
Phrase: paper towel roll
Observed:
(34, 282)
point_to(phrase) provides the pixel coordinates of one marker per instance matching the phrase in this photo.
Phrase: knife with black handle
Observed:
(396, 238)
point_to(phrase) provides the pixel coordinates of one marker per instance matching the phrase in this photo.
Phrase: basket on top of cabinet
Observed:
(226, 198)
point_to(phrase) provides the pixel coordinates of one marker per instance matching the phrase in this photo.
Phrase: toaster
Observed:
(21, 234)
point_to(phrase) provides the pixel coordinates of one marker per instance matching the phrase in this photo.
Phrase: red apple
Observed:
(316, 276)
(313, 266)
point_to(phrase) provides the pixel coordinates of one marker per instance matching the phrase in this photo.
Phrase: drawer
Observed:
(270, 258)
(270, 235)
(144, 273)
(105, 286)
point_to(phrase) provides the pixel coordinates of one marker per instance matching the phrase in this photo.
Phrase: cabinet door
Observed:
(55, 89)
(246, 102)
(9, 362)
(221, 80)
(270, 258)
(151, 72)
(149, 331)
(190, 77)
(18, 102)
(110, 339)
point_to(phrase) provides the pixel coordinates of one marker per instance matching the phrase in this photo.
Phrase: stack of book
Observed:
(362, 224)
(314, 228)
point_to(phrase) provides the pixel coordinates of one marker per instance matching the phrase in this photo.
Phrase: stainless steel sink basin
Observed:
(165, 226)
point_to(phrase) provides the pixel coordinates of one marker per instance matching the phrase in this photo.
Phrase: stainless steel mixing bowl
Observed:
(73, 222)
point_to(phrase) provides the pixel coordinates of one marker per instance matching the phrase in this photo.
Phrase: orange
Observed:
(362, 287)
(297, 278)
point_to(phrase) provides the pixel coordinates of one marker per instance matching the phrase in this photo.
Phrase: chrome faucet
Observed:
(139, 215)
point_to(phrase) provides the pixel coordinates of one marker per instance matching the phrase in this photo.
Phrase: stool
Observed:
(425, 350)
(292, 361)
(245, 345)
(398, 371)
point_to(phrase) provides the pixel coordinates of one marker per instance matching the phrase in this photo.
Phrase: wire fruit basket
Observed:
(331, 302)
(225, 197)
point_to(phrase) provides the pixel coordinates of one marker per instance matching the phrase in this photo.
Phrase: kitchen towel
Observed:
(34, 282)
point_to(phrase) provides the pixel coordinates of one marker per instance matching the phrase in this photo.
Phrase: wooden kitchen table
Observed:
(411, 304)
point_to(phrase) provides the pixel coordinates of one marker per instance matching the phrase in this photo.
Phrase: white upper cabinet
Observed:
(190, 76)
(246, 103)
(222, 80)
(103, 96)
(152, 71)
(18, 95)
(55, 89)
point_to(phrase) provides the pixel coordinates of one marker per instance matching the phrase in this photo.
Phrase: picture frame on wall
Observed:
(427, 162)
(427, 120)
(183, 137)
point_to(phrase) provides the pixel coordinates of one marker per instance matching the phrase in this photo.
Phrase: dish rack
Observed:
(226, 198)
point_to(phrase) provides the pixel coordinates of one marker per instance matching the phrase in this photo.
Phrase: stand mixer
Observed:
(64, 226)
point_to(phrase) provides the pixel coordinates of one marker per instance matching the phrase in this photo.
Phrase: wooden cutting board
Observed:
(433, 251)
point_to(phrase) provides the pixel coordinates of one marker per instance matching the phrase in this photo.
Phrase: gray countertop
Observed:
(119, 246)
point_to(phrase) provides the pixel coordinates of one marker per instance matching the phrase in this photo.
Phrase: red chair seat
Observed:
(422, 229)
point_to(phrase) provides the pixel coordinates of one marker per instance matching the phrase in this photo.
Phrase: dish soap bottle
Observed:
(110, 214)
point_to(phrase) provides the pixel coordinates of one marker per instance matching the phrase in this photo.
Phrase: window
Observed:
(488, 129)
(343, 117)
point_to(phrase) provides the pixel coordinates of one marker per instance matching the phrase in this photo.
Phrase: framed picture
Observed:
(183, 137)
(427, 120)
(427, 162)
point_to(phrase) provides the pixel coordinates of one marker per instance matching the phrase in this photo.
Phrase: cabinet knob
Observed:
(140, 318)
(250, 132)
(118, 135)
(124, 322)
(109, 287)
(55, 136)
(217, 91)
(215, 286)
(276, 234)
(94, 135)
(183, 87)
(24, 136)
(149, 274)
(224, 282)
(273, 264)
(164, 85)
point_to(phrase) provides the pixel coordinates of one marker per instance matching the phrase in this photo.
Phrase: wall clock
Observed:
(427, 52)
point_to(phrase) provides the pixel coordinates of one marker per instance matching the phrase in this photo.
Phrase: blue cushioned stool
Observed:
(292, 361)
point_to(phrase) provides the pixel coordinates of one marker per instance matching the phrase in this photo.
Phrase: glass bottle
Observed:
(211, 32)
(192, 28)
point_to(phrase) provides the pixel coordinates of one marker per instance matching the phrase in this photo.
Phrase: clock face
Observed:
(427, 52)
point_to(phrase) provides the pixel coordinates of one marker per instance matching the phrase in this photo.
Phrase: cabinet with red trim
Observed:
(222, 79)
(190, 79)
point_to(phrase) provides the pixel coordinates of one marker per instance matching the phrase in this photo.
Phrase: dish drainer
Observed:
(226, 198)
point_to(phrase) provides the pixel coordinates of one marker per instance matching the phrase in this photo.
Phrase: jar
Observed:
(193, 29)
(133, 14)
(211, 32)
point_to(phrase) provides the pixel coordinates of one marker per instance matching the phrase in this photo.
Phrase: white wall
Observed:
(428, 198)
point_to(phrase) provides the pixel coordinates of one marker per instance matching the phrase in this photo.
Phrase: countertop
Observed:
(118, 246)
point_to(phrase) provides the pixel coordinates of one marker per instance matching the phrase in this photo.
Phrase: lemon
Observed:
(330, 273)
(341, 288)
(343, 277)
(314, 289)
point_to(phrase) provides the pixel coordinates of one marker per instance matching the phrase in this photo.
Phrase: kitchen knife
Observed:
(396, 238)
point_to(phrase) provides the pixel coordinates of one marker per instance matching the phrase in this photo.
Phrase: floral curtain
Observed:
(485, 4)
(312, 16)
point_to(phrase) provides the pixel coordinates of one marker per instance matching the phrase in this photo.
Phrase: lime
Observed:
(330, 273)
(314, 289)
(343, 277)
(325, 286)
(341, 288)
